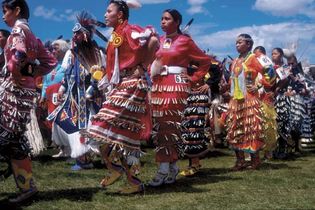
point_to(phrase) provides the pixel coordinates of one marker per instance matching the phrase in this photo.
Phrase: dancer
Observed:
(194, 125)
(267, 85)
(171, 86)
(73, 115)
(246, 122)
(4, 34)
(26, 59)
(124, 120)
(307, 139)
(288, 95)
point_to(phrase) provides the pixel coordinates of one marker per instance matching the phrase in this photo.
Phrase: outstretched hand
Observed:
(203, 89)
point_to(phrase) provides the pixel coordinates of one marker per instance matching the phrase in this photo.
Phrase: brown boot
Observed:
(255, 161)
(111, 178)
(132, 188)
(240, 163)
(134, 183)
(112, 160)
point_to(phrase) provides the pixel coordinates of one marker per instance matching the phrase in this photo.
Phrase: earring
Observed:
(120, 21)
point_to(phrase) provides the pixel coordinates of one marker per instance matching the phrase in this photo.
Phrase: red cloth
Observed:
(182, 52)
(50, 92)
(170, 92)
(124, 118)
(24, 41)
(131, 53)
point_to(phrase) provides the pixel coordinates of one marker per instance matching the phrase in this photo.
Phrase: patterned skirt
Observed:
(16, 104)
(124, 119)
(307, 141)
(290, 113)
(194, 125)
(169, 97)
(246, 125)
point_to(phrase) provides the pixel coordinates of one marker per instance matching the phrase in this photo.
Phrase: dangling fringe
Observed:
(160, 101)
(127, 104)
(170, 88)
(34, 135)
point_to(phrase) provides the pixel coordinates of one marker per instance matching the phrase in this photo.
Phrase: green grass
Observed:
(277, 185)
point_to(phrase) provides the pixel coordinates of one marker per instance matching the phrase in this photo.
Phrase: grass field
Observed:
(277, 185)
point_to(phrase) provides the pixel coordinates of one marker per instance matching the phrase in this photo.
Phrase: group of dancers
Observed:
(144, 86)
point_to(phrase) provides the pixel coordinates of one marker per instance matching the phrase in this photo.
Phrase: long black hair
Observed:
(176, 16)
(12, 4)
(122, 6)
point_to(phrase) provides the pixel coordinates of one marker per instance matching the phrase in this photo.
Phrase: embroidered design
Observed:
(116, 40)
(167, 43)
(64, 115)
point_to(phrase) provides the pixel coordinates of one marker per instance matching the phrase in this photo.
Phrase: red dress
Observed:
(170, 92)
(16, 100)
(124, 119)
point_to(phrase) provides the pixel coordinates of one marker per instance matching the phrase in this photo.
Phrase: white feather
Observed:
(133, 4)
(287, 53)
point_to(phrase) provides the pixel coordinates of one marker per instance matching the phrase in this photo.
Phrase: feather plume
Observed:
(187, 26)
(86, 20)
(133, 4)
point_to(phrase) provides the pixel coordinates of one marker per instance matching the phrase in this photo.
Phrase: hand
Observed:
(139, 71)
(60, 97)
(203, 89)
(27, 70)
(290, 93)
(95, 68)
(224, 87)
(186, 77)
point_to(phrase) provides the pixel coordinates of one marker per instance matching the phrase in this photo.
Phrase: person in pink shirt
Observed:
(26, 59)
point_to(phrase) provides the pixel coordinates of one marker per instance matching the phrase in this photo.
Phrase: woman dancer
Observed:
(246, 121)
(26, 59)
(171, 86)
(124, 120)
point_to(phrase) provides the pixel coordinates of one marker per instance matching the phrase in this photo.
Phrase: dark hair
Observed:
(248, 39)
(261, 49)
(292, 58)
(279, 50)
(12, 4)
(122, 6)
(5, 33)
(176, 16)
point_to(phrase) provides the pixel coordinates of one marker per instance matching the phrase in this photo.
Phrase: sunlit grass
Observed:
(277, 185)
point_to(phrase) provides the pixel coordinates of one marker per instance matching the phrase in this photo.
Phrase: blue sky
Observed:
(271, 23)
